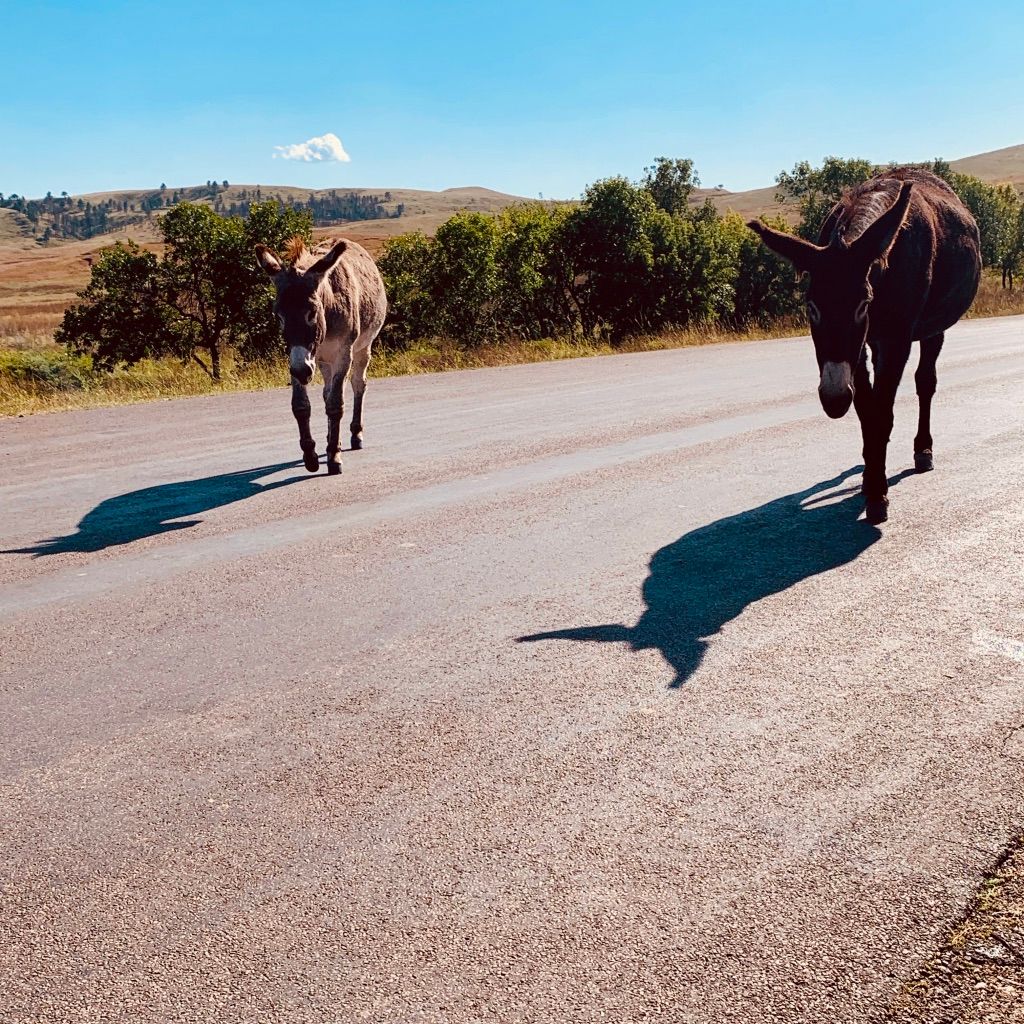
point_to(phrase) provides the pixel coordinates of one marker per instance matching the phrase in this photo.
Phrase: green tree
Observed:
(405, 265)
(939, 167)
(120, 318)
(612, 255)
(534, 275)
(1015, 254)
(638, 267)
(817, 189)
(463, 277)
(996, 209)
(671, 183)
(765, 286)
(204, 296)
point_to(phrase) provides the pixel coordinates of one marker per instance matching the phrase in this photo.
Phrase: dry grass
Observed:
(440, 356)
(994, 300)
(38, 376)
(41, 377)
(16, 230)
(48, 380)
(756, 202)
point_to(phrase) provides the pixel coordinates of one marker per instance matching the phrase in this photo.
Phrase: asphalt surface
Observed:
(582, 695)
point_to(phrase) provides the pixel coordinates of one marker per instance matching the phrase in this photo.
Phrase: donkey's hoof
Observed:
(876, 510)
(311, 461)
(357, 442)
(923, 462)
(333, 468)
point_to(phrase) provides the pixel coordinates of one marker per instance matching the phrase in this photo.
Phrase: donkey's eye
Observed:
(862, 311)
(311, 317)
(814, 313)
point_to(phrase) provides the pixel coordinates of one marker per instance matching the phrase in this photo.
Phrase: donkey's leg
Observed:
(888, 373)
(926, 380)
(301, 410)
(334, 405)
(864, 402)
(360, 363)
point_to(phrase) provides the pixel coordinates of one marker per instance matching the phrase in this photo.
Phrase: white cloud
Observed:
(321, 148)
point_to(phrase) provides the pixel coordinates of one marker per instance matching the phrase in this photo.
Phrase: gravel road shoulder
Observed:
(978, 975)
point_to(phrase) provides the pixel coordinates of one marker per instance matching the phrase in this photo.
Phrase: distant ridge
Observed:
(1001, 166)
(419, 209)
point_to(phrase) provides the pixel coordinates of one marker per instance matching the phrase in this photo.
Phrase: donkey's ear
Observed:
(268, 261)
(327, 263)
(876, 240)
(801, 253)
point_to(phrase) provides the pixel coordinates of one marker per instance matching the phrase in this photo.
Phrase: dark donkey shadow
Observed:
(154, 510)
(707, 577)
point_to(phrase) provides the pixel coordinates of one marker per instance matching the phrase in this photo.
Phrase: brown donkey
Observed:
(899, 260)
(331, 305)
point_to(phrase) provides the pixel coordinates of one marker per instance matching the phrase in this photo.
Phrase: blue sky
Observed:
(524, 97)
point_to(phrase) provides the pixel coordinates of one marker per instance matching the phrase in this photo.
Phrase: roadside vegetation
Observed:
(633, 266)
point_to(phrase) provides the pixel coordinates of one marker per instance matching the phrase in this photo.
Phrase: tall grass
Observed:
(49, 379)
(995, 300)
(46, 378)
(38, 376)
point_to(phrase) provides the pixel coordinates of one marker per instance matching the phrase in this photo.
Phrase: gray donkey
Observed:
(331, 305)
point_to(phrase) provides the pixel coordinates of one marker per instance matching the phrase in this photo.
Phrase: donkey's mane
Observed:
(301, 257)
(865, 203)
(295, 249)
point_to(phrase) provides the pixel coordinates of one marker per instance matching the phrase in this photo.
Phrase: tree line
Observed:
(65, 217)
(635, 257)
(628, 258)
(326, 209)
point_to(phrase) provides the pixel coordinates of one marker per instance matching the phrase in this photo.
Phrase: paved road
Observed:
(288, 748)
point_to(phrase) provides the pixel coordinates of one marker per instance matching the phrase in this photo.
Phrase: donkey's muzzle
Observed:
(300, 362)
(836, 389)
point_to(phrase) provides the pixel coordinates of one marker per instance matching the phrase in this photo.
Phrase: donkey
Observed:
(898, 260)
(331, 305)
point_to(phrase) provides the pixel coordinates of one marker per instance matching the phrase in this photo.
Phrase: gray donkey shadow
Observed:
(709, 576)
(159, 509)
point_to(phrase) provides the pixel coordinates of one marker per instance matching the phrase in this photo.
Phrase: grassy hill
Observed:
(15, 230)
(385, 212)
(756, 202)
(81, 217)
(1001, 166)
(998, 167)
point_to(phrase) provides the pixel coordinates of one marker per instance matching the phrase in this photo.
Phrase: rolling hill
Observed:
(1001, 166)
(997, 167)
(90, 215)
